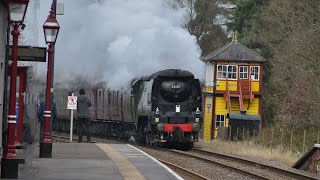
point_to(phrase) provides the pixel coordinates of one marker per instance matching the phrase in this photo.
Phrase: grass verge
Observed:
(252, 150)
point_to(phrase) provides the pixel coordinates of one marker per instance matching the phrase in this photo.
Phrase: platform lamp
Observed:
(17, 11)
(9, 161)
(51, 29)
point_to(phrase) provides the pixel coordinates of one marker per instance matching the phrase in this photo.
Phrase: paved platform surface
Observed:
(77, 161)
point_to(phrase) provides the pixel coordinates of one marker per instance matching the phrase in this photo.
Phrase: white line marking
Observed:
(14, 121)
(160, 163)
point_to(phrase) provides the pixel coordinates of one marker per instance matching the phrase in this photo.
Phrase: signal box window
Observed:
(220, 120)
(243, 72)
(254, 72)
(222, 72)
(232, 72)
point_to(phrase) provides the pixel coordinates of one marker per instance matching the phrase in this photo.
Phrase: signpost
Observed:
(72, 105)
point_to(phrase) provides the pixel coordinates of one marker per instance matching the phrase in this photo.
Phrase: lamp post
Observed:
(51, 29)
(9, 162)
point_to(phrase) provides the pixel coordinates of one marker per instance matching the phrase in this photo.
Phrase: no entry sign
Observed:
(72, 102)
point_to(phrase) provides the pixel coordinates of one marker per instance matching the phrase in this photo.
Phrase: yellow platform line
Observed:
(126, 168)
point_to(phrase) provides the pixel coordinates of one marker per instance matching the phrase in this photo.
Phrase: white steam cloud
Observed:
(117, 40)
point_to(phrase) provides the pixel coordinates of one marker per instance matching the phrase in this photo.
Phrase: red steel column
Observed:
(10, 152)
(22, 85)
(46, 144)
(9, 161)
(47, 112)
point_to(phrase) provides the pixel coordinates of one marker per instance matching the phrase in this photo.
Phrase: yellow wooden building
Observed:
(233, 88)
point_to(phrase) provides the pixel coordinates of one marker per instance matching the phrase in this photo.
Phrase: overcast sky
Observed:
(120, 39)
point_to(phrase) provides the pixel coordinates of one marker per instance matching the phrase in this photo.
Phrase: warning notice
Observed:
(72, 102)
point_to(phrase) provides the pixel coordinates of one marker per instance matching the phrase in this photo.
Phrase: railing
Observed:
(242, 91)
(250, 87)
(228, 100)
(240, 97)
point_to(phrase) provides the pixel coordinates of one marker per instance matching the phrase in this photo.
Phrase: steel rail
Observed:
(210, 161)
(281, 171)
(255, 164)
(180, 170)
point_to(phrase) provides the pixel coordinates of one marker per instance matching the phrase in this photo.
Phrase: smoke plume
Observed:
(117, 40)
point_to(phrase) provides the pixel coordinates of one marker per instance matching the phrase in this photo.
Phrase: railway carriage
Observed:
(164, 108)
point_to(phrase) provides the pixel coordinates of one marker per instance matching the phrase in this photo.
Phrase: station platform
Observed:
(84, 161)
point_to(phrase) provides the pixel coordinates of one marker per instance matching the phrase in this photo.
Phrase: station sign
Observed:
(29, 53)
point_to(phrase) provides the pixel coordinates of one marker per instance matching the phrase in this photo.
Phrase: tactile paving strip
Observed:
(126, 168)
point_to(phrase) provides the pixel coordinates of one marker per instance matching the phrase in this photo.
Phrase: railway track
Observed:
(242, 166)
(224, 165)
(251, 169)
(187, 174)
(62, 138)
(59, 137)
(285, 172)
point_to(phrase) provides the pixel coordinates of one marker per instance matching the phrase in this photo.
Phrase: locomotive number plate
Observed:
(175, 87)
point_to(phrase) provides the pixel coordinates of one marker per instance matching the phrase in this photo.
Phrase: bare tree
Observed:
(290, 29)
(202, 22)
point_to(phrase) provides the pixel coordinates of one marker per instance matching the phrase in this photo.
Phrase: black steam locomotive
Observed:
(167, 107)
(162, 109)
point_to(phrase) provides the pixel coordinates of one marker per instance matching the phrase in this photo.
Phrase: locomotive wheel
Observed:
(153, 140)
(170, 145)
(190, 146)
(148, 139)
(187, 146)
(161, 144)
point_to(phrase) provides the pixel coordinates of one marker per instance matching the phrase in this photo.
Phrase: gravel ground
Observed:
(208, 170)
(248, 168)
(267, 162)
(205, 169)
